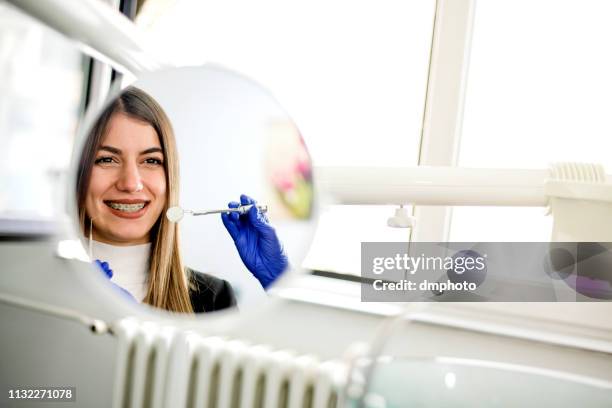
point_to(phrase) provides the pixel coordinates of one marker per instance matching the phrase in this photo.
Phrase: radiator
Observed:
(159, 366)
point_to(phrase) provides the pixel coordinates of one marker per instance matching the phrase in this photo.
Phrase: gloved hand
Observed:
(256, 241)
(109, 274)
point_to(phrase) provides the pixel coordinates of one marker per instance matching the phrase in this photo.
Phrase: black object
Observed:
(208, 293)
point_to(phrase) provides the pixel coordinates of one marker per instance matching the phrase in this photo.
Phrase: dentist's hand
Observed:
(256, 241)
(109, 274)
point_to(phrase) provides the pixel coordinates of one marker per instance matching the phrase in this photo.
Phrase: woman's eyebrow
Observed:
(118, 151)
(152, 150)
(110, 149)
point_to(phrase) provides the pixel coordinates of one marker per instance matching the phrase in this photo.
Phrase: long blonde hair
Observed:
(168, 283)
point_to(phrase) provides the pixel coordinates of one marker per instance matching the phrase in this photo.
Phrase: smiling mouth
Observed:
(124, 207)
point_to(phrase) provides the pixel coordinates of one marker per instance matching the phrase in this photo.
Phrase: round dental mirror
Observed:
(184, 175)
(175, 214)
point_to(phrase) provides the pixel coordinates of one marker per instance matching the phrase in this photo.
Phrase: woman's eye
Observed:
(104, 160)
(153, 160)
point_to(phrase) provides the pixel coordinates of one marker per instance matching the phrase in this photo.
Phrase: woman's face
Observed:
(127, 189)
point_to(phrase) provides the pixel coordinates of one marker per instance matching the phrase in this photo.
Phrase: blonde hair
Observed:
(168, 283)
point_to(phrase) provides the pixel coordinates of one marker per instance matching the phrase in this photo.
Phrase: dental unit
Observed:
(330, 349)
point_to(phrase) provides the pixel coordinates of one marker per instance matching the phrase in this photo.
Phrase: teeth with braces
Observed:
(127, 207)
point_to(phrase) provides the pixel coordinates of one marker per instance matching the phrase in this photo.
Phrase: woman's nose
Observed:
(130, 180)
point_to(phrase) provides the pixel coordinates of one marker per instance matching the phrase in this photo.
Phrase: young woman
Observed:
(128, 178)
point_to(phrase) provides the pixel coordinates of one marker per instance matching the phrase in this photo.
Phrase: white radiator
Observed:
(159, 366)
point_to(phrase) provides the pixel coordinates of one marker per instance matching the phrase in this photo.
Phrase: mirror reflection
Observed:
(194, 191)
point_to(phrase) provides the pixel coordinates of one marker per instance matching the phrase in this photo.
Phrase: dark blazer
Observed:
(208, 293)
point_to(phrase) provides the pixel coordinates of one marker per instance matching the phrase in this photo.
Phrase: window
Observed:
(538, 92)
(352, 75)
(40, 101)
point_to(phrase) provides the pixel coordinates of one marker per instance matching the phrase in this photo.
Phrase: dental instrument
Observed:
(175, 214)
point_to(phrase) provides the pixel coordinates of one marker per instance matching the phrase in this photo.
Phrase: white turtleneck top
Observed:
(130, 265)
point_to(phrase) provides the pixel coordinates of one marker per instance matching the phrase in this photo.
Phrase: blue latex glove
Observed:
(109, 274)
(256, 241)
